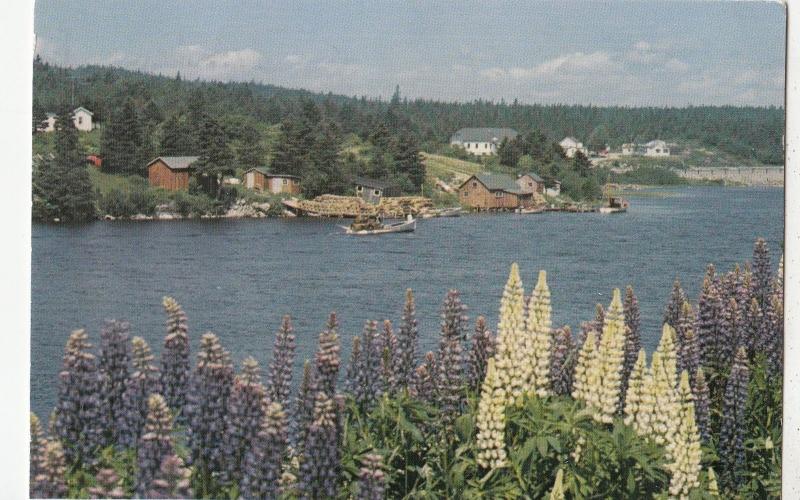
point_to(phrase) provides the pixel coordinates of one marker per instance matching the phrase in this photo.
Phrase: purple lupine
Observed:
(144, 381)
(709, 312)
(320, 462)
(113, 361)
(328, 358)
(450, 379)
(304, 406)
(263, 461)
(80, 417)
(731, 332)
(367, 379)
(672, 312)
(773, 335)
(207, 405)
(371, 479)
(407, 345)
(155, 443)
(687, 349)
(633, 339)
(173, 480)
(280, 369)
(108, 485)
(387, 347)
(350, 382)
(175, 363)
(246, 405)
(50, 482)
(482, 348)
(563, 358)
(425, 379)
(37, 446)
(702, 404)
(762, 273)
(753, 327)
(732, 431)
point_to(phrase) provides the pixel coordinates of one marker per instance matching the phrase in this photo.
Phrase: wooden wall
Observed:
(160, 175)
(475, 195)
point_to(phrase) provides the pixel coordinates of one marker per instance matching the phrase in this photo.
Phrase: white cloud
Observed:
(567, 64)
(195, 61)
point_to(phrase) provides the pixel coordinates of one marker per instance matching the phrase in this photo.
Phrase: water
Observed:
(238, 278)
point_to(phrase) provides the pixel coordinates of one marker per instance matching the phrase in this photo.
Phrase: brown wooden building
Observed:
(531, 183)
(260, 179)
(171, 172)
(493, 192)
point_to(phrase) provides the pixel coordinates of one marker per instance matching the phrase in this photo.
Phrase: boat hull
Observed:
(614, 210)
(402, 227)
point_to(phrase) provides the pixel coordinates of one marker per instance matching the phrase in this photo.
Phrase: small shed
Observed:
(171, 172)
(530, 183)
(493, 192)
(369, 190)
(260, 179)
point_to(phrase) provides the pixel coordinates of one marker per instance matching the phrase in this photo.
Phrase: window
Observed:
(498, 194)
(359, 188)
(376, 193)
(286, 181)
(474, 184)
(80, 120)
(466, 194)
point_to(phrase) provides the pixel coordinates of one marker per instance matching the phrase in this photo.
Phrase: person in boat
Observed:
(366, 223)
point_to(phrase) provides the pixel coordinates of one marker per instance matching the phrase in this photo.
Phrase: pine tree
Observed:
(177, 138)
(216, 158)
(122, 141)
(249, 153)
(407, 161)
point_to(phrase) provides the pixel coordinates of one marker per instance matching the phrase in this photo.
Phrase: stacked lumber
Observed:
(329, 205)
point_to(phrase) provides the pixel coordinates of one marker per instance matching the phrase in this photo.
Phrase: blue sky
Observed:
(626, 53)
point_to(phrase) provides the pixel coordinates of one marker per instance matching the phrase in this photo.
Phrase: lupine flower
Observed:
(777, 281)
(744, 291)
(37, 447)
(113, 362)
(482, 348)
(144, 381)
(538, 335)
(424, 379)
(328, 358)
(731, 440)
(557, 493)
(280, 368)
(50, 482)
(563, 360)
(761, 272)
(713, 488)
(609, 360)
(173, 480)
(731, 331)
(633, 341)
(262, 464)
(491, 420)
(709, 311)
(407, 345)
(351, 384)
(371, 478)
(175, 363)
(304, 406)
(754, 326)
(368, 375)
(702, 404)
(80, 416)
(243, 419)
(672, 312)
(207, 405)
(664, 373)
(688, 349)
(581, 385)
(684, 445)
(511, 362)
(634, 396)
(774, 335)
(387, 347)
(320, 464)
(450, 380)
(109, 485)
(155, 443)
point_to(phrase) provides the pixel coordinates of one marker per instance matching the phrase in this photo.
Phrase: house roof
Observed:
(569, 141)
(656, 143)
(265, 172)
(79, 108)
(533, 176)
(485, 134)
(176, 162)
(497, 182)
(370, 183)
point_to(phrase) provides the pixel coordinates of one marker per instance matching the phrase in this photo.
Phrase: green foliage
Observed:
(124, 145)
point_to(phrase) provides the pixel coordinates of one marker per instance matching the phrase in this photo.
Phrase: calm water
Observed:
(237, 278)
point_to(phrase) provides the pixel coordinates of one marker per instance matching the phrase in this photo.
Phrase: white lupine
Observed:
(511, 361)
(609, 361)
(491, 420)
(539, 336)
(581, 384)
(683, 445)
(633, 398)
(663, 369)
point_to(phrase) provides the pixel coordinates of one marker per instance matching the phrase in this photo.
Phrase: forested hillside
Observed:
(747, 132)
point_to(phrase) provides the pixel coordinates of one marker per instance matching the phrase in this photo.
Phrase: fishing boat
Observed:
(368, 226)
(530, 210)
(442, 212)
(616, 205)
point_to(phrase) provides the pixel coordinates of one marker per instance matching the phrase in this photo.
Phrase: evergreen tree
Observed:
(176, 137)
(581, 164)
(122, 141)
(249, 153)
(407, 161)
(216, 158)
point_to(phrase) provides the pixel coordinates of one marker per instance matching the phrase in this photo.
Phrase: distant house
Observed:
(628, 149)
(481, 141)
(530, 183)
(369, 190)
(493, 192)
(94, 160)
(259, 178)
(554, 190)
(171, 172)
(571, 145)
(81, 117)
(656, 148)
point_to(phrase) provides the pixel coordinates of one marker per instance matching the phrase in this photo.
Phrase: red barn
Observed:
(171, 172)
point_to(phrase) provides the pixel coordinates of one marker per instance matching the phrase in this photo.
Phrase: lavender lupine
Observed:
(731, 329)
(262, 463)
(731, 440)
(405, 358)
(173, 480)
(155, 443)
(37, 447)
(304, 406)
(688, 349)
(113, 361)
(450, 380)
(320, 462)
(50, 482)
(327, 358)
(702, 404)
(368, 376)
(633, 340)
(207, 404)
(482, 348)
(280, 368)
(672, 312)
(80, 416)
(175, 363)
(108, 485)
(387, 347)
(243, 419)
(424, 384)
(563, 360)
(144, 381)
(753, 326)
(774, 335)
(709, 313)
(371, 479)
(353, 365)
(762, 273)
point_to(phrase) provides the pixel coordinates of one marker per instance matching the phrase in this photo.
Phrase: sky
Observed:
(602, 53)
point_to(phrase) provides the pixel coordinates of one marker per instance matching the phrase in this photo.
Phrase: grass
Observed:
(104, 182)
(447, 168)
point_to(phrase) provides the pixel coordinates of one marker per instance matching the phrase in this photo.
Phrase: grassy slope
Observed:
(450, 169)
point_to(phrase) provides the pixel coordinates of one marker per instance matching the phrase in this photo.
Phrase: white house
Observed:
(571, 145)
(81, 117)
(481, 141)
(656, 148)
(628, 149)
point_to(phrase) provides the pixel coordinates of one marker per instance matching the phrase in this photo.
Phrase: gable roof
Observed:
(569, 141)
(656, 143)
(176, 162)
(265, 172)
(497, 182)
(485, 134)
(370, 183)
(533, 176)
(81, 108)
